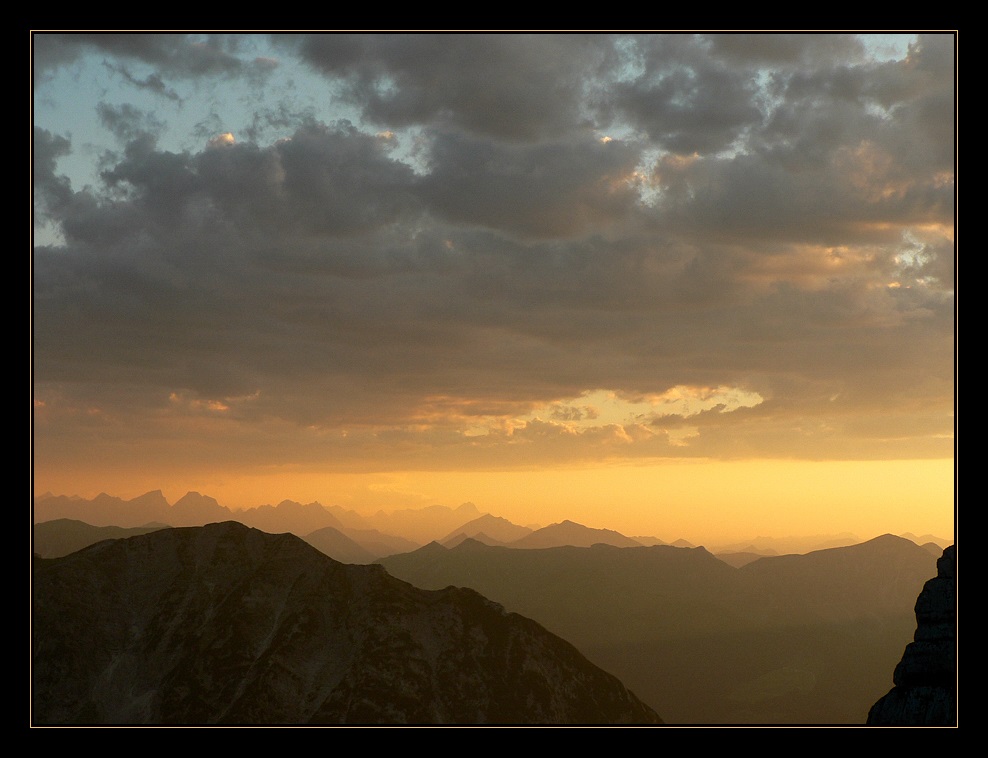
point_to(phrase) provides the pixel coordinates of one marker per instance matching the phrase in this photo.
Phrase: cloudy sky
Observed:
(688, 285)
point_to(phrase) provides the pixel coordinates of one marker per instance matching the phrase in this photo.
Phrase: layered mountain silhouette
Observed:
(303, 520)
(493, 529)
(788, 545)
(385, 534)
(650, 541)
(797, 639)
(423, 525)
(225, 624)
(571, 533)
(927, 539)
(333, 542)
(925, 680)
(739, 559)
(703, 637)
(374, 542)
(192, 509)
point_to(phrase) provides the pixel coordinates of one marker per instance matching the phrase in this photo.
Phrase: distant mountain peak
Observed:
(682, 543)
(571, 533)
(195, 495)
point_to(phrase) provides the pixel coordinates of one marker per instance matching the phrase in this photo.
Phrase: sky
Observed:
(683, 285)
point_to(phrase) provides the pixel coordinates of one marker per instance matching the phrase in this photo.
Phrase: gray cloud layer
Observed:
(772, 212)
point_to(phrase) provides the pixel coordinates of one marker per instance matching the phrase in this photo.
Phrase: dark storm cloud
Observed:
(323, 281)
(513, 86)
(781, 49)
(684, 99)
(851, 198)
(324, 181)
(849, 154)
(557, 189)
(213, 253)
(905, 107)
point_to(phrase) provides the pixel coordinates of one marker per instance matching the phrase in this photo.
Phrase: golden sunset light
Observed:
(345, 296)
(694, 288)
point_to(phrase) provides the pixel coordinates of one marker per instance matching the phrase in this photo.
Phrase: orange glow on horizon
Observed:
(703, 502)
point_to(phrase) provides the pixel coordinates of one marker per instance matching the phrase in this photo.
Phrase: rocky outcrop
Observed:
(925, 691)
(224, 624)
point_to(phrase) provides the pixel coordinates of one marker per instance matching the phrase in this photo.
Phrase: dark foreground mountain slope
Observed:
(801, 640)
(224, 624)
(925, 691)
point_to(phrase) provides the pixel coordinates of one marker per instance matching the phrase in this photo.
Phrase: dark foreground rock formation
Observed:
(925, 691)
(224, 624)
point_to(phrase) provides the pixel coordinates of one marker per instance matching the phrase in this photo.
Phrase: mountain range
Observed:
(796, 639)
(225, 624)
(702, 638)
(383, 534)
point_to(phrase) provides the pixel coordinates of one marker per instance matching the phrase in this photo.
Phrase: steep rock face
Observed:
(225, 624)
(925, 679)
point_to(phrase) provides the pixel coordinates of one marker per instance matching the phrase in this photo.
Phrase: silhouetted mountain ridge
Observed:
(570, 533)
(786, 639)
(225, 624)
(195, 509)
(386, 533)
(495, 528)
